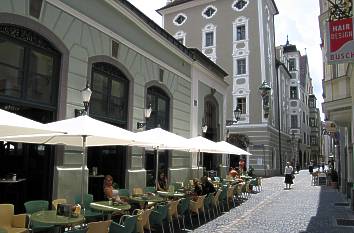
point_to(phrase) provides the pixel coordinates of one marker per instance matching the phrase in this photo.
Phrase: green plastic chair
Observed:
(207, 203)
(90, 214)
(35, 206)
(158, 215)
(124, 192)
(149, 189)
(183, 208)
(127, 224)
(223, 197)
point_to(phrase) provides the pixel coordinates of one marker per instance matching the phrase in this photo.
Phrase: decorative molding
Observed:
(23, 34)
(180, 19)
(181, 35)
(212, 54)
(239, 5)
(204, 12)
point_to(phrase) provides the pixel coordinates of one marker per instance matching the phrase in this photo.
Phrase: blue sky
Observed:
(297, 18)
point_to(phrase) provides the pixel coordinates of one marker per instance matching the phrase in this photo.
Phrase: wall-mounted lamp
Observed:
(264, 90)
(147, 113)
(204, 126)
(86, 96)
(237, 114)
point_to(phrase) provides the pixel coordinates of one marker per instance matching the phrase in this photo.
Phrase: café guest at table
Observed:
(109, 191)
(162, 182)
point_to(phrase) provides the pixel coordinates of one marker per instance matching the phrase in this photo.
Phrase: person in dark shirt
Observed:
(198, 190)
(207, 186)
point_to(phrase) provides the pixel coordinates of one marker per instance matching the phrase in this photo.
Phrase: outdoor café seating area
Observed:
(138, 210)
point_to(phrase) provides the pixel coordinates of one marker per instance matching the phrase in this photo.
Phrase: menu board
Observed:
(322, 180)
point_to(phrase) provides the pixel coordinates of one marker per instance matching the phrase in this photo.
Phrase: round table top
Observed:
(170, 194)
(51, 217)
(146, 198)
(106, 207)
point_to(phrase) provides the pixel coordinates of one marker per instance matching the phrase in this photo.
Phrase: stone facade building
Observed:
(50, 49)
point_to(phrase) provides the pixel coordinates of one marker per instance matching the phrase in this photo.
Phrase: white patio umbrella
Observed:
(201, 144)
(82, 131)
(12, 124)
(158, 139)
(232, 149)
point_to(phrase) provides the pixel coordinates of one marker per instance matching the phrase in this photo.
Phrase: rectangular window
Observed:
(241, 104)
(294, 121)
(293, 93)
(241, 66)
(209, 39)
(303, 117)
(313, 140)
(241, 32)
(312, 103)
(292, 64)
(312, 122)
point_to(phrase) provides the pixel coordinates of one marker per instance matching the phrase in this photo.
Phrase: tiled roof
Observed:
(174, 3)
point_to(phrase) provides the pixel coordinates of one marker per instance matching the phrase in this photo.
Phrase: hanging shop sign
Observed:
(339, 31)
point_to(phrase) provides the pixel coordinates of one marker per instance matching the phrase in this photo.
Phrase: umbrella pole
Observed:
(198, 158)
(84, 153)
(157, 167)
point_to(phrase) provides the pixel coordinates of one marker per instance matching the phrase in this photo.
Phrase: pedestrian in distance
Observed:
(311, 167)
(288, 175)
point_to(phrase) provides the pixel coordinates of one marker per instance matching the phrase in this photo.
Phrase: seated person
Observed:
(197, 188)
(109, 191)
(207, 186)
(233, 173)
(162, 182)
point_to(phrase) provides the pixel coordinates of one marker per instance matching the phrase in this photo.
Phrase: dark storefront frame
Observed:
(109, 103)
(160, 117)
(38, 62)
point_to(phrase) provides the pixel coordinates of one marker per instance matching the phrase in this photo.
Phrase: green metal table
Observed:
(109, 209)
(50, 217)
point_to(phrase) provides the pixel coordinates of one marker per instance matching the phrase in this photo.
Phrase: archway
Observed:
(211, 162)
(29, 79)
(109, 103)
(160, 117)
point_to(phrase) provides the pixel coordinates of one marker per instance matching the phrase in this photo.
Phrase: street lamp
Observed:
(204, 126)
(264, 90)
(237, 114)
(86, 96)
(147, 113)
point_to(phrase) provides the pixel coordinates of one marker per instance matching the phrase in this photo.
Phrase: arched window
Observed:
(160, 104)
(29, 66)
(109, 103)
(110, 89)
(160, 116)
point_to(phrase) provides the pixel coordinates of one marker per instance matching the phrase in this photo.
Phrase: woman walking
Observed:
(288, 175)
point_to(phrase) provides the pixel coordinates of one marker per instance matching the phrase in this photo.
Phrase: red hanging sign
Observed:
(341, 32)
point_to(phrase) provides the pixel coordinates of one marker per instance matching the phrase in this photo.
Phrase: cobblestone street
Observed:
(304, 208)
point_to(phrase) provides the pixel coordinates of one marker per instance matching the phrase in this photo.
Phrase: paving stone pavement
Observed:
(304, 208)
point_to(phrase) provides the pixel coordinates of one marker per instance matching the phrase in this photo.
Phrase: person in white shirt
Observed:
(288, 175)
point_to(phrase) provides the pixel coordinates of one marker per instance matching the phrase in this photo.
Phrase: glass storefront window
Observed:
(27, 69)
